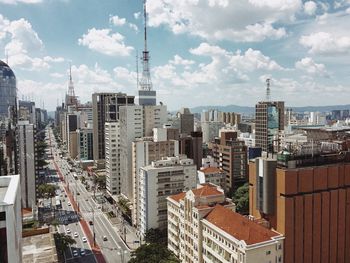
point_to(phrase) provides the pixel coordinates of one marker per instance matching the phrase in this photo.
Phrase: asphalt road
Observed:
(113, 249)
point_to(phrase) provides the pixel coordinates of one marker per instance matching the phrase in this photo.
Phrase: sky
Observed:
(203, 52)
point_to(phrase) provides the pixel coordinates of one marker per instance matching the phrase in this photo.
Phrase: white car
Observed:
(84, 239)
(82, 251)
(69, 204)
(76, 234)
(68, 231)
(75, 253)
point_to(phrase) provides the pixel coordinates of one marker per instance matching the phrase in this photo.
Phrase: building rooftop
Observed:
(39, 249)
(211, 170)
(207, 190)
(239, 227)
(8, 189)
(178, 196)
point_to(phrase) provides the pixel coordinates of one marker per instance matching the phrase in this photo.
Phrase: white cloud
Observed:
(310, 7)
(308, 65)
(240, 20)
(105, 42)
(137, 15)
(53, 59)
(181, 61)
(134, 27)
(117, 21)
(56, 75)
(325, 43)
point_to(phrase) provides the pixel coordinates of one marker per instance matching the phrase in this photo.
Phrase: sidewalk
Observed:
(130, 232)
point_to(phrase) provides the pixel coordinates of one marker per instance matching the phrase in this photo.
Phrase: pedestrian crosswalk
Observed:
(90, 214)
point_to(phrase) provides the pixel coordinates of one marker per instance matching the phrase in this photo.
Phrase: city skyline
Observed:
(302, 46)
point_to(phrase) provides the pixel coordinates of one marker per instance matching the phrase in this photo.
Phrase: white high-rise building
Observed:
(135, 122)
(10, 219)
(157, 181)
(112, 144)
(27, 164)
(144, 151)
(131, 127)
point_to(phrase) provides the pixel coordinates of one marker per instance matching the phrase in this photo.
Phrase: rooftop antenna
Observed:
(145, 83)
(268, 91)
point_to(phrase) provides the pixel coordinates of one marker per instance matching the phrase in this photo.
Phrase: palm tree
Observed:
(63, 241)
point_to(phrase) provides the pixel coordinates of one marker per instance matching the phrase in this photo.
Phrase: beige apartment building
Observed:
(203, 227)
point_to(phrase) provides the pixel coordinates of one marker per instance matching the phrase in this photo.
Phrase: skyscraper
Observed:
(27, 162)
(8, 91)
(105, 108)
(269, 120)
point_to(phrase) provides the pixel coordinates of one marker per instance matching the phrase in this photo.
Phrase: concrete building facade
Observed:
(10, 219)
(27, 162)
(105, 108)
(308, 204)
(144, 151)
(269, 120)
(203, 227)
(112, 144)
(157, 181)
(231, 155)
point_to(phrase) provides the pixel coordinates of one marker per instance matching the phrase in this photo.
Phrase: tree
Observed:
(153, 253)
(63, 241)
(100, 181)
(47, 191)
(155, 235)
(241, 199)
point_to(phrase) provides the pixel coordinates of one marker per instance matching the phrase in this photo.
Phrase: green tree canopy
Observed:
(241, 199)
(155, 235)
(47, 190)
(153, 253)
(63, 241)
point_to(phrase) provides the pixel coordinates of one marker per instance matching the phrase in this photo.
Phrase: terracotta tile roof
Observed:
(211, 170)
(178, 197)
(206, 190)
(238, 226)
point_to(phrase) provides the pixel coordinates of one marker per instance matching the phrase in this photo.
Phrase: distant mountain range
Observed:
(251, 110)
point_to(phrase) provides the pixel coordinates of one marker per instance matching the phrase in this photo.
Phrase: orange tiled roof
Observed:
(178, 196)
(206, 190)
(210, 170)
(238, 226)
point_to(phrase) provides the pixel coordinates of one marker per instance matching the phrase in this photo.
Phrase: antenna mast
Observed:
(145, 83)
(268, 91)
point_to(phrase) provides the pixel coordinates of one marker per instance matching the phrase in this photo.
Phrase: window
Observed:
(268, 252)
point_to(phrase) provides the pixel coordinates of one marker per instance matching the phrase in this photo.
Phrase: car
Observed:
(68, 231)
(91, 223)
(76, 234)
(69, 204)
(78, 193)
(75, 253)
(84, 239)
(105, 238)
(82, 252)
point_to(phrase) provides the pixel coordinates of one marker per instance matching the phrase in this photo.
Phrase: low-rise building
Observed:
(212, 175)
(204, 227)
